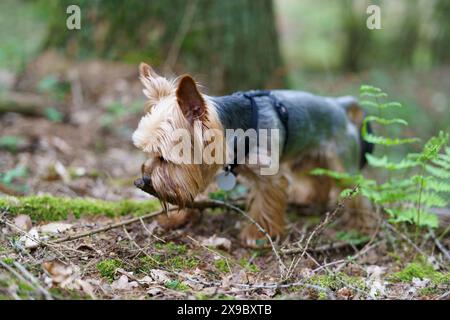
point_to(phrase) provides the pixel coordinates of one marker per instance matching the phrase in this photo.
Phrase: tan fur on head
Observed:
(155, 86)
(174, 106)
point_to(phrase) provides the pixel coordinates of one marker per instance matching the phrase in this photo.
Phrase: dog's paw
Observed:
(176, 219)
(252, 237)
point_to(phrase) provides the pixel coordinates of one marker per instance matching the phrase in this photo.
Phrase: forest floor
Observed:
(82, 151)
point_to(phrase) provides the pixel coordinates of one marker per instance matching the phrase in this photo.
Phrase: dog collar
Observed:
(227, 178)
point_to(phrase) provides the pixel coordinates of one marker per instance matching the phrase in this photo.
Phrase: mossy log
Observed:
(50, 208)
(28, 104)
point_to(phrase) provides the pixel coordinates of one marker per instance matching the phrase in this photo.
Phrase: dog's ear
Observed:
(145, 71)
(190, 100)
(356, 114)
(155, 86)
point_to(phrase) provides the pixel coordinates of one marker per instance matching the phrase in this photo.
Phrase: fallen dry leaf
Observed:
(62, 172)
(87, 287)
(345, 293)
(146, 280)
(160, 276)
(23, 222)
(58, 271)
(375, 283)
(217, 242)
(67, 277)
(31, 239)
(152, 292)
(55, 227)
(123, 284)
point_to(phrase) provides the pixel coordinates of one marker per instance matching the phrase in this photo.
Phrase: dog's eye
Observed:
(161, 158)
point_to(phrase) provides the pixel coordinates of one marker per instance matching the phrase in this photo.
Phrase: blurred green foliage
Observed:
(227, 47)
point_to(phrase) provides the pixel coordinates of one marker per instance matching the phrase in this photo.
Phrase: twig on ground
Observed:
(39, 242)
(138, 246)
(281, 265)
(363, 251)
(405, 237)
(328, 218)
(322, 248)
(151, 233)
(25, 280)
(251, 287)
(36, 283)
(108, 227)
(215, 252)
(440, 246)
(444, 296)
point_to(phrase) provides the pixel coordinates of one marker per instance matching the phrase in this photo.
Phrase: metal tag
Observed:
(226, 180)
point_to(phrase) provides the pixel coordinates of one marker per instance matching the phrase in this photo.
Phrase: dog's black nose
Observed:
(145, 184)
(139, 183)
(147, 180)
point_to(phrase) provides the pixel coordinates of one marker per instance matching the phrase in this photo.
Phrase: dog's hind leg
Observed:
(306, 188)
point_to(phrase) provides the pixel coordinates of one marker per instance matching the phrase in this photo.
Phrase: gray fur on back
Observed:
(313, 120)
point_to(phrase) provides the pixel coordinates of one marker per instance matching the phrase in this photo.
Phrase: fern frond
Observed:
(383, 162)
(385, 121)
(441, 161)
(427, 199)
(438, 186)
(427, 219)
(437, 172)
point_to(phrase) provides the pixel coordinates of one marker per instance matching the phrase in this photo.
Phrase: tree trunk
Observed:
(357, 35)
(441, 43)
(229, 45)
(408, 38)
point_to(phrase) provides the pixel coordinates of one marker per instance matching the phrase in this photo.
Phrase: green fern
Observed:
(406, 199)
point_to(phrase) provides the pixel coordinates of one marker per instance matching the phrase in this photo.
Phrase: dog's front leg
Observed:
(267, 204)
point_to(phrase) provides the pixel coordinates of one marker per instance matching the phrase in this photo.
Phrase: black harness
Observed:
(282, 113)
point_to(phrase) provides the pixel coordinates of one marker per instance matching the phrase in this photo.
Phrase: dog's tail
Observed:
(356, 115)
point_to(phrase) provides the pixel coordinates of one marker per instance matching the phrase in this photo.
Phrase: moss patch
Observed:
(176, 285)
(171, 247)
(337, 281)
(65, 294)
(171, 256)
(248, 265)
(49, 208)
(108, 267)
(222, 265)
(422, 270)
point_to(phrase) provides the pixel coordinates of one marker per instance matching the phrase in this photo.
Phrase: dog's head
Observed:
(170, 133)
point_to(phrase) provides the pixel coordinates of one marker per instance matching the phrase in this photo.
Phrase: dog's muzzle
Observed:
(145, 184)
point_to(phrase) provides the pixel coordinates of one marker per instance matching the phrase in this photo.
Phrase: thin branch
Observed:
(108, 227)
(28, 275)
(440, 246)
(24, 279)
(281, 265)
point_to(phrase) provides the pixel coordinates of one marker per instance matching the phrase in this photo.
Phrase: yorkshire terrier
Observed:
(306, 132)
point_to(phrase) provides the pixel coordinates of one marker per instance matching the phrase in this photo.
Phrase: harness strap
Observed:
(282, 113)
